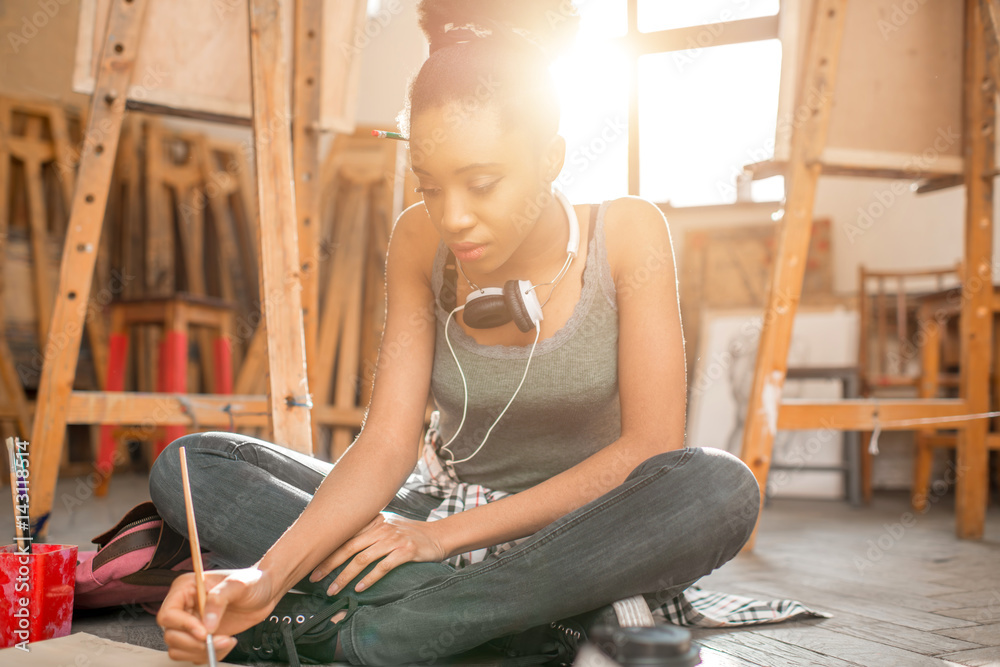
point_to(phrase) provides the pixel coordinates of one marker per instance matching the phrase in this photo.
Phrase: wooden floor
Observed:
(902, 590)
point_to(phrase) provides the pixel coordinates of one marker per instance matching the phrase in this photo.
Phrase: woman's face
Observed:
(483, 187)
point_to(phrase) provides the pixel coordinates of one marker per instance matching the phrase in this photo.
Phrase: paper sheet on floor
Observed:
(81, 648)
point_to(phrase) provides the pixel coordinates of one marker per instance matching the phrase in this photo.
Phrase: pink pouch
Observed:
(135, 562)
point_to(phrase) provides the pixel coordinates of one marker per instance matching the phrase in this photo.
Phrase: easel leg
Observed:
(79, 252)
(972, 475)
(280, 287)
(808, 140)
(306, 99)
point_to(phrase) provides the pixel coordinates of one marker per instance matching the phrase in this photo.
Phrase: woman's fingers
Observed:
(351, 547)
(361, 540)
(182, 646)
(184, 622)
(331, 563)
(177, 609)
(361, 560)
(221, 594)
(392, 559)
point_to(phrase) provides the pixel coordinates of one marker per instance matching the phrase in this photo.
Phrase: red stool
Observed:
(176, 314)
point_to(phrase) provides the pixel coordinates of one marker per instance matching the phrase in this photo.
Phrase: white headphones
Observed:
(494, 306)
(488, 307)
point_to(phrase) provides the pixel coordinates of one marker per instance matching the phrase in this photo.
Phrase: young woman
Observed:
(554, 478)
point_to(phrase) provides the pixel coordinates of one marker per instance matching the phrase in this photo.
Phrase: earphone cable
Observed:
(538, 331)
(465, 385)
(555, 281)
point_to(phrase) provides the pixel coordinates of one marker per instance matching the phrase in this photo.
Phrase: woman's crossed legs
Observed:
(678, 516)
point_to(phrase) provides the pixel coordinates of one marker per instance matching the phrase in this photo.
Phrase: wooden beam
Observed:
(83, 236)
(192, 410)
(349, 340)
(280, 286)
(862, 414)
(633, 101)
(990, 15)
(33, 152)
(808, 141)
(14, 390)
(972, 483)
(193, 114)
(159, 262)
(872, 164)
(305, 152)
(701, 36)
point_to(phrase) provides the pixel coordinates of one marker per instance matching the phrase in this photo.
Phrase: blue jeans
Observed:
(678, 516)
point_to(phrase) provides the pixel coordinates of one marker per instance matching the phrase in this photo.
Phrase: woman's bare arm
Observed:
(375, 466)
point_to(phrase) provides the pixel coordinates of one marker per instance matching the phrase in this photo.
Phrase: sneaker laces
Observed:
(279, 633)
(553, 644)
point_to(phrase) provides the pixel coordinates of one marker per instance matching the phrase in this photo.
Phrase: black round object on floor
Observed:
(661, 645)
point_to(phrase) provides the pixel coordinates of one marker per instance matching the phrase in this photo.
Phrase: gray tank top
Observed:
(568, 408)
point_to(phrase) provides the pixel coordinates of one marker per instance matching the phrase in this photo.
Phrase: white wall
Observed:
(394, 50)
(911, 232)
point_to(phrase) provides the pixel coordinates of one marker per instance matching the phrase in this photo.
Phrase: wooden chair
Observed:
(937, 317)
(889, 354)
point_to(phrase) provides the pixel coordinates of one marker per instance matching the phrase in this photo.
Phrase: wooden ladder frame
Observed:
(286, 409)
(766, 412)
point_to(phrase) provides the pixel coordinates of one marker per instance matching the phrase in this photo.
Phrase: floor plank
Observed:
(853, 649)
(981, 657)
(890, 634)
(869, 608)
(985, 635)
(759, 649)
(983, 615)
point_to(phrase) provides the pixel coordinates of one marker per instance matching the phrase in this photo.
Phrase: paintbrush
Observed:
(20, 530)
(199, 573)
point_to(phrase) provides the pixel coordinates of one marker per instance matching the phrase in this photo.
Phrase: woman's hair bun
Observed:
(549, 24)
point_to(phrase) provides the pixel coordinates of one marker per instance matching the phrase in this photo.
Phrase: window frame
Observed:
(636, 44)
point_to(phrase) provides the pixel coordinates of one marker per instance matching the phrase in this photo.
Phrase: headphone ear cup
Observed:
(486, 311)
(516, 306)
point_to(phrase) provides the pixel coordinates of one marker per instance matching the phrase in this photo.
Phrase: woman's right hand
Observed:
(236, 600)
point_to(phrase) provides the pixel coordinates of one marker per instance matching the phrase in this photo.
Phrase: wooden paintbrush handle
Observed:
(199, 573)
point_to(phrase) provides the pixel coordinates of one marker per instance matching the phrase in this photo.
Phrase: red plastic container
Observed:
(36, 593)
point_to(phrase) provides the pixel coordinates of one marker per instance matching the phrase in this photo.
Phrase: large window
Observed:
(707, 76)
(669, 14)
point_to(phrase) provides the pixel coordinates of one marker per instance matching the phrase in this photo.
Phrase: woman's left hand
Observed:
(399, 539)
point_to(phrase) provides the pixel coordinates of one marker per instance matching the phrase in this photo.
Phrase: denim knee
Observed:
(730, 487)
(720, 483)
(165, 476)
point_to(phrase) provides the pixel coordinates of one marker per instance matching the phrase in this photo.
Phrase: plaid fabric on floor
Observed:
(693, 606)
(706, 609)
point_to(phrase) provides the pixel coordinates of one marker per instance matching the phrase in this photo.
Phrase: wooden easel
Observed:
(767, 412)
(287, 406)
